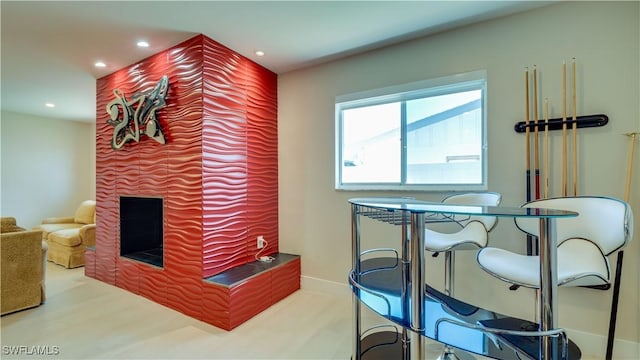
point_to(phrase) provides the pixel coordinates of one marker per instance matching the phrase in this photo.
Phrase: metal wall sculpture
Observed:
(130, 118)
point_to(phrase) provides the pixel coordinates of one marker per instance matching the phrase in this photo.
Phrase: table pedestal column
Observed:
(548, 301)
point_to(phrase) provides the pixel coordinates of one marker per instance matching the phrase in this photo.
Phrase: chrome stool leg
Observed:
(449, 263)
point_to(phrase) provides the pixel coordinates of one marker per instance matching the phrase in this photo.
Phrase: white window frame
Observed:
(447, 84)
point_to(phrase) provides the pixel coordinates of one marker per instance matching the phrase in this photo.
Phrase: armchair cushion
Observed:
(51, 228)
(66, 237)
(85, 235)
(67, 246)
(59, 220)
(85, 212)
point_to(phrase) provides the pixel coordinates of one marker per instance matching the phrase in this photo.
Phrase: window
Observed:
(429, 135)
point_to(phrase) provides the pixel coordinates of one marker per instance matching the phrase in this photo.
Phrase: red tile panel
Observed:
(153, 284)
(183, 219)
(128, 275)
(224, 155)
(154, 176)
(262, 156)
(106, 204)
(215, 305)
(90, 263)
(249, 298)
(107, 235)
(285, 280)
(185, 295)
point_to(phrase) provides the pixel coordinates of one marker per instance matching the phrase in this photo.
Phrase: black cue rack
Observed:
(556, 123)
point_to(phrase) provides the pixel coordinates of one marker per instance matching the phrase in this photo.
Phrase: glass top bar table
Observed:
(395, 288)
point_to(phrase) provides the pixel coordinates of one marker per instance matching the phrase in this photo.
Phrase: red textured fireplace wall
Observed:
(217, 172)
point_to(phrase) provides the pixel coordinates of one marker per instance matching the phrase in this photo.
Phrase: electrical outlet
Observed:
(260, 242)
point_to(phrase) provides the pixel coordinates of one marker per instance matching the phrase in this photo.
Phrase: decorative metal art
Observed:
(130, 118)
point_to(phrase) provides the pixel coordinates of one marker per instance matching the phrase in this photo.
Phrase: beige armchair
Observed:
(23, 267)
(68, 237)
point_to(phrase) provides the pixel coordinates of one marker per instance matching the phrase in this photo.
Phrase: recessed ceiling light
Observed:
(100, 64)
(50, 105)
(259, 53)
(143, 44)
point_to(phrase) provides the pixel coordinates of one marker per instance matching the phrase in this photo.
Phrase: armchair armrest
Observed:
(58, 220)
(22, 271)
(88, 234)
(7, 222)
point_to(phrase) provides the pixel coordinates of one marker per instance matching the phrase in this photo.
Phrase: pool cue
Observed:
(574, 130)
(564, 128)
(528, 150)
(545, 193)
(616, 284)
(536, 150)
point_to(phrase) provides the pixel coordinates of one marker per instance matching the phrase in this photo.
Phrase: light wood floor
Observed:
(87, 319)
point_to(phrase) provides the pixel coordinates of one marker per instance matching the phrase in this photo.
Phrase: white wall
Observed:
(602, 36)
(48, 167)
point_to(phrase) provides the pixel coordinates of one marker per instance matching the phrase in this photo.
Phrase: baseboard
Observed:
(591, 345)
(324, 286)
(595, 346)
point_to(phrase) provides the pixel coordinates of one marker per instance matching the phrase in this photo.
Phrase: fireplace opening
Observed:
(141, 229)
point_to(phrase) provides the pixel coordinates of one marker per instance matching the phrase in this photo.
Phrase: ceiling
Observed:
(49, 48)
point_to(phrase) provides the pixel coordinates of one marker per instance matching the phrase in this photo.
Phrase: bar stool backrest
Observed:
(605, 221)
(475, 198)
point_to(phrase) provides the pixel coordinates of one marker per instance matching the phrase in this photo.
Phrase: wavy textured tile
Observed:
(285, 280)
(262, 154)
(248, 299)
(185, 295)
(224, 173)
(90, 263)
(153, 284)
(215, 305)
(107, 227)
(127, 275)
(183, 233)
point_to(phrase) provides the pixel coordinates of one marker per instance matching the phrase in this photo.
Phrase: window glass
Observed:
(371, 143)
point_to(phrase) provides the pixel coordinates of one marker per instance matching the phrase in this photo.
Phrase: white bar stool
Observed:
(603, 226)
(473, 235)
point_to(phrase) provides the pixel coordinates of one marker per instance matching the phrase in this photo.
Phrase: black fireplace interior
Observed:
(141, 224)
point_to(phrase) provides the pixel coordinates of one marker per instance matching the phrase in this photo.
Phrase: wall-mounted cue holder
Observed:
(556, 123)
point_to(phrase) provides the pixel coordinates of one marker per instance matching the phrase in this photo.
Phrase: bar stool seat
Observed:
(472, 233)
(580, 263)
(471, 237)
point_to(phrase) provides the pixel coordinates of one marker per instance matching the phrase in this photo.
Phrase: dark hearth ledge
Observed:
(241, 273)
